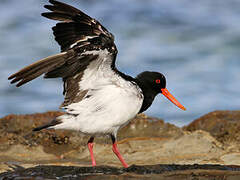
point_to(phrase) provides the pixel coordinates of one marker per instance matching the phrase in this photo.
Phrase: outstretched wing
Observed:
(76, 28)
(86, 45)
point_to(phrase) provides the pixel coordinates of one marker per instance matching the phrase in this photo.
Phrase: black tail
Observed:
(52, 123)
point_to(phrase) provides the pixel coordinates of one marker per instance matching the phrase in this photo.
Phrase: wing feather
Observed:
(38, 68)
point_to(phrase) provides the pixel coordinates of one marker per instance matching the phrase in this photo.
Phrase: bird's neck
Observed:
(148, 93)
(147, 90)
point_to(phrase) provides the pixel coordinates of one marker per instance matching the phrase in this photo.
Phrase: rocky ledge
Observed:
(211, 139)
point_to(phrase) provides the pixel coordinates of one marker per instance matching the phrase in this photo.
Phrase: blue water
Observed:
(196, 44)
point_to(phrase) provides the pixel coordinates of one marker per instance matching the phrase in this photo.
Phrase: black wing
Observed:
(76, 28)
(76, 34)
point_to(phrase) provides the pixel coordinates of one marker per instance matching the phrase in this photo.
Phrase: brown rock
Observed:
(223, 125)
(143, 126)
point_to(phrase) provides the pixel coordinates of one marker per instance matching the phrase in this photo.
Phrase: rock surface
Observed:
(222, 125)
(211, 139)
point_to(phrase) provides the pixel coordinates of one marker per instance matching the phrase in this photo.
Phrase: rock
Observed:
(143, 126)
(144, 141)
(155, 172)
(223, 125)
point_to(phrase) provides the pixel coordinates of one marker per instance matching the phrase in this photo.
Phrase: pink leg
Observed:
(90, 148)
(116, 151)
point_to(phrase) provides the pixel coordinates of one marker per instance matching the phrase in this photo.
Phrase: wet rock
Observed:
(166, 172)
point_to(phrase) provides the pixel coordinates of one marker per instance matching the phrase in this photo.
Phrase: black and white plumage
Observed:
(99, 99)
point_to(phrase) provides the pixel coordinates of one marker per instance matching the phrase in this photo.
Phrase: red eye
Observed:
(158, 81)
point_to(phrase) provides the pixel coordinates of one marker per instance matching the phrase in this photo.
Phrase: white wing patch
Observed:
(99, 72)
(86, 38)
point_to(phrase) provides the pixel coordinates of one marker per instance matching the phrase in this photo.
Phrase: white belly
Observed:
(108, 109)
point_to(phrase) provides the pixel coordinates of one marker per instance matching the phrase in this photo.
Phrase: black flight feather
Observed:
(52, 123)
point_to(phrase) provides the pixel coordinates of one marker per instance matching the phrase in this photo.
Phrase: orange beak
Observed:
(166, 93)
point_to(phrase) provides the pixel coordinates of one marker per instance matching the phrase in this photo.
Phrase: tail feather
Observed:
(38, 68)
(52, 123)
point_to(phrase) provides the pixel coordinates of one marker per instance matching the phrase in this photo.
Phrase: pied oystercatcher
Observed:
(99, 99)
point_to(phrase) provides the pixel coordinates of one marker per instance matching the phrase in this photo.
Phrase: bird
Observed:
(98, 98)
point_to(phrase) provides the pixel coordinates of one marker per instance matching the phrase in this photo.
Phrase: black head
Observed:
(153, 83)
(153, 80)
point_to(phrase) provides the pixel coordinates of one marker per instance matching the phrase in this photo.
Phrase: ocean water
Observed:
(195, 44)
